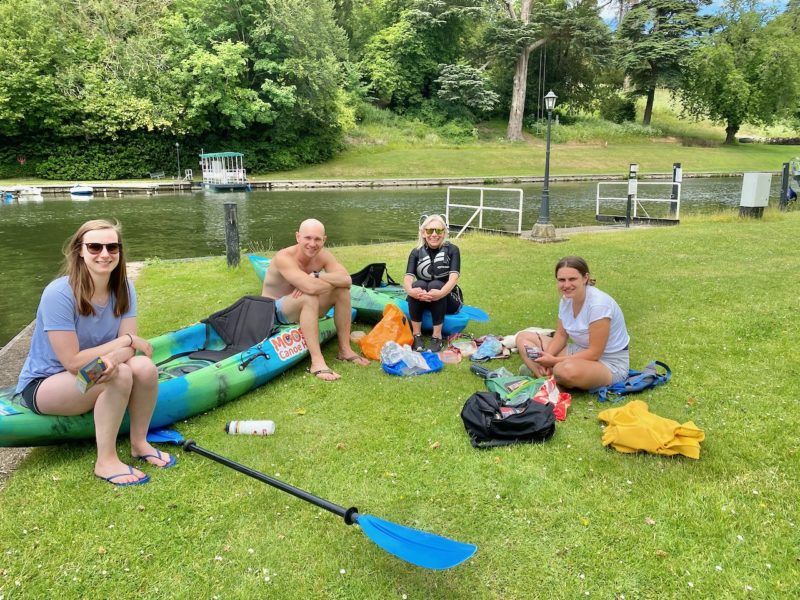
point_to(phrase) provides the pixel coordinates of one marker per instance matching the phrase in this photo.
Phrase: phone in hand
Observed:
(89, 374)
(533, 352)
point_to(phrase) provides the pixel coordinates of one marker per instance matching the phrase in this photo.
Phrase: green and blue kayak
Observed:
(186, 387)
(370, 302)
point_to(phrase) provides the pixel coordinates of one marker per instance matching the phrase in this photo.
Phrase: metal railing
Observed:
(674, 197)
(478, 213)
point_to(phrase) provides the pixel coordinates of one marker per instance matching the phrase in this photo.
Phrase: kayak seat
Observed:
(371, 276)
(242, 325)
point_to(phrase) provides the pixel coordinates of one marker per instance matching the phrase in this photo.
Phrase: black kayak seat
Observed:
(371, 276)
(242, 325)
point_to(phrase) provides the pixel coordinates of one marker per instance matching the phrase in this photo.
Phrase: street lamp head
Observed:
(177, 144)
(550, 100)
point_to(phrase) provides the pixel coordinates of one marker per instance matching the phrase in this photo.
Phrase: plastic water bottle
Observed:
(250, 427)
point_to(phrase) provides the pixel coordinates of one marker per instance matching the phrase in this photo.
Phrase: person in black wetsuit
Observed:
(431, 280)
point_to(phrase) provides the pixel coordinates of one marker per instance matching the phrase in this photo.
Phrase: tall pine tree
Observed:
(654, 37)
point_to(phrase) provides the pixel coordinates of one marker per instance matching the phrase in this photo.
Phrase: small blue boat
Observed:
(81, 190)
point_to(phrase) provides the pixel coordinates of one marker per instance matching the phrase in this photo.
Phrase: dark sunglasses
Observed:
(432, 230)
(97, 248)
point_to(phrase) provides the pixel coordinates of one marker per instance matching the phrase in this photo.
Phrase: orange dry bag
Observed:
(393, 327)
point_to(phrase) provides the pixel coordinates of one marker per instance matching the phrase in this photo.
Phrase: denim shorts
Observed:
(617, 362)
(29, 394)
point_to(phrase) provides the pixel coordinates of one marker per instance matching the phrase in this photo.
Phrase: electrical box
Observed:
(755, 190)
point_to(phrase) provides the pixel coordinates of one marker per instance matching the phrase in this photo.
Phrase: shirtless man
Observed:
(305, 280)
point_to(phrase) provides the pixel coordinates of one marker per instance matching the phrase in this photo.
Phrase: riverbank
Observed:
(106, 189)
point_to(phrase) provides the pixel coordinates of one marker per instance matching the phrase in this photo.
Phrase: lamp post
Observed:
(178, 154)
(544, 230)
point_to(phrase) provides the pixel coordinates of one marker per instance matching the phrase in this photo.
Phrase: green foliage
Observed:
(618, 108)
(654, 39)
(591, 129)
(747, 71)
(131, 156)
(113, 72)
(397, 64)
(464, 86)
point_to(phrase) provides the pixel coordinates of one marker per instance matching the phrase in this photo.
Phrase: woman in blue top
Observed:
(590, 345)
(431, 280)
(87, 313)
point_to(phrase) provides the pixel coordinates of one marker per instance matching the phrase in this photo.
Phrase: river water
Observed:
(192, 224)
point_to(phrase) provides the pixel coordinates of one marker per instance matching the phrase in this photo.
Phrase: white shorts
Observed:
(617, 362)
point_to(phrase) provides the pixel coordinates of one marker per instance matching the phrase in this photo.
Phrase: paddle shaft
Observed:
(350, 515)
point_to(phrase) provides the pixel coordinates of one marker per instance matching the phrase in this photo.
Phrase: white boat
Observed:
(30, 193)
(30, 190)
(81, 190)
(224, 172)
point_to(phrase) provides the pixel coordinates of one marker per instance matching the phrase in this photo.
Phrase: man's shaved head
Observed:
(312, 224)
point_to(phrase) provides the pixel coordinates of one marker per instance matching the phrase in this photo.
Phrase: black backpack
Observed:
(491, 422)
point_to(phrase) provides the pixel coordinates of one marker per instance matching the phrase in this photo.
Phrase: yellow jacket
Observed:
(633, 427)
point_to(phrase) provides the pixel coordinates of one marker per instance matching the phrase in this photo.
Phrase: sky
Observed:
(609, 13)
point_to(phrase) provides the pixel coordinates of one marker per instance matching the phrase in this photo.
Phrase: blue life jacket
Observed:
(636, 381)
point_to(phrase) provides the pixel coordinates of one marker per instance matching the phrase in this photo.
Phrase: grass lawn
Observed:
(715, 298)
(491, 159)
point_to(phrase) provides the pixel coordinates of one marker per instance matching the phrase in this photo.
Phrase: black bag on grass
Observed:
(491, 422)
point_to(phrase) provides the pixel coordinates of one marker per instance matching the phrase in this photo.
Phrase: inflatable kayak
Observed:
(200, 367)
(369, 302)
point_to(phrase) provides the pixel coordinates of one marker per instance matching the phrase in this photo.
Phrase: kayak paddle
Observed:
(420, 548)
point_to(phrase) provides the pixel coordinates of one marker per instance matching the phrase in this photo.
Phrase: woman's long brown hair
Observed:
(81, 281)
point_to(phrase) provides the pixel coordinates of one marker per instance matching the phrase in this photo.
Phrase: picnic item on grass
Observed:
(393, 327)
(402, 360)
(637, 381)
(633, 427)
(492, 422)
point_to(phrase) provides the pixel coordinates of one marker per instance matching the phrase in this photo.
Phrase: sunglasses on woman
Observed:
(432, 230)
(97, 248)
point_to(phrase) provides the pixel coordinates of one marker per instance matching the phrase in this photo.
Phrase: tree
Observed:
(467, 87)
(518, 30)
(745, 72)
(653, 39)
(401, 58)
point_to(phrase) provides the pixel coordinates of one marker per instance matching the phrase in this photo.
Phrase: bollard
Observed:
(677, 177)
(784, 197)
(628, 211)
(633, 188)
(231, 234)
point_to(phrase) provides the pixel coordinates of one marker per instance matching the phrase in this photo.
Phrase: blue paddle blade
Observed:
(417, 547)
(474, 313)
(165, 436)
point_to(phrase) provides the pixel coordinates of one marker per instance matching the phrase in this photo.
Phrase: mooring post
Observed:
(677, 177)
(633, 169)
(784, 198)
(231, 234)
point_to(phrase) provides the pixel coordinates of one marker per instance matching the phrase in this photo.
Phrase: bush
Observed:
(134, 155)
(458, 130)
(618, 109)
